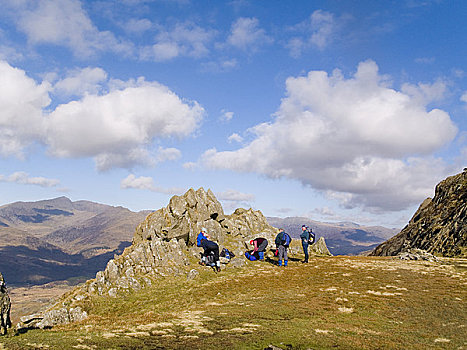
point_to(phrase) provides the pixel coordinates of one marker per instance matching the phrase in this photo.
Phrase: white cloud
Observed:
(120, 125)
(247, 35)
(226, 115)
(425, 93)
(165, 154)
(64, 22)
(323, 26)
(116, 128)
(319, 31)
(185, 39)
(21, 104)
(138, 25)
(464, 97)
(190, 165)
(81, 82)
(235, 138)
(23, 178)
(234, 195)
(147, 183)
(357, 138)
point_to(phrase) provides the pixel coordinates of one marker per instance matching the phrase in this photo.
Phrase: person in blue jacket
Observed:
(282, 241)
(209, 247)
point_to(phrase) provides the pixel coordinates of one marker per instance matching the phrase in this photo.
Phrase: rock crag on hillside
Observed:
(5, 305)
(439, 226)
(164, 242)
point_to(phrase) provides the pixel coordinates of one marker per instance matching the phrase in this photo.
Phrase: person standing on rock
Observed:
(307, 236)
(259, 245)
(282, 241)
(209, 247)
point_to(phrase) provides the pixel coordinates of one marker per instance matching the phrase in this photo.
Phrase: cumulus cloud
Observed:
(323, 26)
(235, 138)
(425, 93)
(80, 82)
(355, 138)
(185, 39)
(21, 104)
(147, 183)
(23, 178)
(64, 22)
(318, 31)
(165, 154)
(117, 127)
(246, 34)
(226, 115)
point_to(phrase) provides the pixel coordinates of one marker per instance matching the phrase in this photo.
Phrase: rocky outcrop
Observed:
(5, 307)
(51, 318)
(166, 241)
(440, 224)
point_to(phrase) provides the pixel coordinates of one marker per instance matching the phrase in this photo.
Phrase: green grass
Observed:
(335, 302)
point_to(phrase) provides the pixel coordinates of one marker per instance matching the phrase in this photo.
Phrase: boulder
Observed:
(5, 307)
(51, 318)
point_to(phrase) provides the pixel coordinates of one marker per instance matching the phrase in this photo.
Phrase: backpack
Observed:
(210, 259)
(227, 253)
(286, 239)
(311, 237)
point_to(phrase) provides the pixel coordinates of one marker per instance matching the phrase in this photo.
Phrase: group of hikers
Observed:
(210, 256)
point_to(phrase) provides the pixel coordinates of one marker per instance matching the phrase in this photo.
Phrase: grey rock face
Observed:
(440, 224)
(164, 242)
(417, 254)
(52, 318)
(5, 307)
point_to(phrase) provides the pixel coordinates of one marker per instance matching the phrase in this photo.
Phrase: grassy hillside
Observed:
(332, 302)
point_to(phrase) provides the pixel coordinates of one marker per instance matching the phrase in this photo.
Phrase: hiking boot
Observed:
(218, 268)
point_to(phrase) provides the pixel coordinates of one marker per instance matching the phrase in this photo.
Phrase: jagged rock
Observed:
(164, 242)
(440, 224)
(51, 318)
(5, 307)
(320, 248)
(417, 254)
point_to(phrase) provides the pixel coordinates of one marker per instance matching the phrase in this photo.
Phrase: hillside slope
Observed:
(440, 224)
(59, 239)
(332, 302)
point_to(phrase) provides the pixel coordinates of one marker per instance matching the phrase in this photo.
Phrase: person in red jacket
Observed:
(259, 245)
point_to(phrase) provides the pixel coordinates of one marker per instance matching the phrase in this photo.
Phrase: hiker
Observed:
(282, 241)
(210, 248)
(308, 237)
(259, 246)
(202, 235)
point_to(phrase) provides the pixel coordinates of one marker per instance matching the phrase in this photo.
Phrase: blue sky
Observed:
(334, 110)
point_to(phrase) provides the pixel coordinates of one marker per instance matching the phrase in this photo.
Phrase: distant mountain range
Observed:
(59, 239)
(344, 238)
